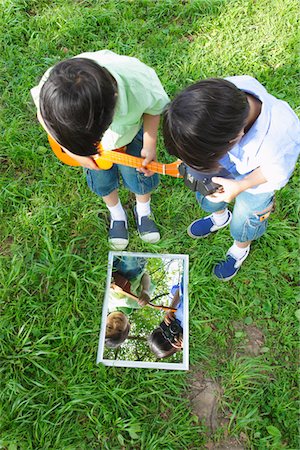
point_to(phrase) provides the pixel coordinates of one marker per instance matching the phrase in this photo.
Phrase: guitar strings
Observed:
(135, 162)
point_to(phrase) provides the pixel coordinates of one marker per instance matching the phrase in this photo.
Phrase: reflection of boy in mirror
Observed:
(117, 329)
(130, 276)
(167, 339)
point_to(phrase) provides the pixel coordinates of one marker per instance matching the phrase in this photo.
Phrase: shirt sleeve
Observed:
(145, 91)
(157, 98)
(35, 91)
(280, 148)
(278, 171)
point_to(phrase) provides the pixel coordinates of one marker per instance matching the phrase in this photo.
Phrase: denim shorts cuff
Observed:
(141, 186)
(209, 206)
(109, 191)
(142, 191)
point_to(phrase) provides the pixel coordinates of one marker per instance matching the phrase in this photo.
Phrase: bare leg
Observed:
(112, 199)
(239, 244)
(243, 244)
(115, 207)
(143, 198)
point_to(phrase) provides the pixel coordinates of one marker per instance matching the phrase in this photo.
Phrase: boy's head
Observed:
(205, 121)
(161, 346)
(77, 104)
(117, 329)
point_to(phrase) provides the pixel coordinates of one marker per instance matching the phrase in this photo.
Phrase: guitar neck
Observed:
(134, 161)
(105, 159)
(119, 290)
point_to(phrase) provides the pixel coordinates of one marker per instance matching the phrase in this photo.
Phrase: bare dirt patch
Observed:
(5, 246)
(253, 342)
(204, 395)
(228, 444)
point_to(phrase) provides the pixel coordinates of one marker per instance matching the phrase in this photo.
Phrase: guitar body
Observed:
(122, 282)
(67, 159)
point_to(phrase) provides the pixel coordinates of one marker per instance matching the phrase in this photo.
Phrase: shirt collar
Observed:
(255, 136)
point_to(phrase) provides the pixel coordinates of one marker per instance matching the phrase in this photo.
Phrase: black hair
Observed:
(159, 345)
(77, 104)
(117, 338)
(200, 122)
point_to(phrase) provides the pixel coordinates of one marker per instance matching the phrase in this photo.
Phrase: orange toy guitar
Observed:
(119, 290)
(122, 285)
(106, 159)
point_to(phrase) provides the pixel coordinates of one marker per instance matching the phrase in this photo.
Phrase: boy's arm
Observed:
(232, 188)
(171, 315)
(151, 124)
(148, 97)
(87, 162)
(144, 297)
(175, 300)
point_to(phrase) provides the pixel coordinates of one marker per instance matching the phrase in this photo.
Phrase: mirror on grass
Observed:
(145, 311)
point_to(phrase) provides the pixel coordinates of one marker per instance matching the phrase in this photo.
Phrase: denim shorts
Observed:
(129, 266)
(250, 214)
(104, 182)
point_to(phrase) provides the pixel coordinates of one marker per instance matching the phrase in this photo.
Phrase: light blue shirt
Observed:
(272, 143)
(179, 311)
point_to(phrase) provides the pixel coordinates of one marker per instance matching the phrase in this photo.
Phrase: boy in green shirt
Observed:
(116, 100)
(130, 274)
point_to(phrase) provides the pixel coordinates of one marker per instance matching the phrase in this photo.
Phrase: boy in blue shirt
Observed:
(235, 124)
(116, 100)
(160, 344)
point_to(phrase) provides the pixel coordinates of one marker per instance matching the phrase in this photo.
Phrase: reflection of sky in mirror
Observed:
(175, 271)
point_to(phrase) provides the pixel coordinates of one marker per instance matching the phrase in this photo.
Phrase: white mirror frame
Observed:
(150, 365)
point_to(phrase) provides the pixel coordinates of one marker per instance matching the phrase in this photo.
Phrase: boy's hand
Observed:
(169, 316)
(231, 188)
(178, 342)
(151, 124)
(150, 155)
(144, 298)
(85, 161)
(227, 192)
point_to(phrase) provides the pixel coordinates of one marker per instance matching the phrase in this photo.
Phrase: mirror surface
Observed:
(145, 312)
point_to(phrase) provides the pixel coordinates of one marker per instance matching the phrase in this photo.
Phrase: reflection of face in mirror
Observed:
(117, 329)
(144, 313)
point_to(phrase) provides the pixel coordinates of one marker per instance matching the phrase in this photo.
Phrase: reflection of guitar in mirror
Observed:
(122, 285)
(107, 158)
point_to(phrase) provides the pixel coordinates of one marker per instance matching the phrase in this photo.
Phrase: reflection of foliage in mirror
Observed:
(163, 273)
(144, 320)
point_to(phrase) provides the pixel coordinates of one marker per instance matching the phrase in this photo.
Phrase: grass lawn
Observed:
(54, 247)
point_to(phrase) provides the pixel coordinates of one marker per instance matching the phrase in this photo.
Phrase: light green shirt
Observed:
(139, 92)
(120, 302)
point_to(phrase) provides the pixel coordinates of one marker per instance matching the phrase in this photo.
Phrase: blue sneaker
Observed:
(118, 234)
(225, 270)
(204, 227)
(147, 228)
